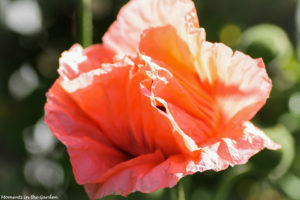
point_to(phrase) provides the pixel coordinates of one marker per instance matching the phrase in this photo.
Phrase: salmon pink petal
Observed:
(124, 34)
(192, 121)
(240, 83)
(101, 94)
(125, 177)
(145, 173)
(116, 107)
(149, 172)
(155, 102)
(147, 124)
(65, 118)
(90, 150)
(164, 45)
(197, 121)
(168, 50)
(78, 60)
(91, 159)
(234, 148)
(116, 111)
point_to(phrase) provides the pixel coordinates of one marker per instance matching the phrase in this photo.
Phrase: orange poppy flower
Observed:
(155, 102)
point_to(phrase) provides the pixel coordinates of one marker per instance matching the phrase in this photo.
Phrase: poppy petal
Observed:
(91, 159)
(151, 128)
(163, 44)
(241, 83)
(145, 173)
(90, 151)
(170, 104)
(124, 34)
(65, 118)
(96, 161)
(78, 60)
(192, 119)
(196, 123)
(169, 51)
(150, 172)
(234, 148)
(108, 106)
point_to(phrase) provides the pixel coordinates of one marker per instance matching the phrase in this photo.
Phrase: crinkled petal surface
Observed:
(174, 105)
(98, 116)
(138, 15)
(137, 124)
(224, 90)
(240, 83)
(78, 60)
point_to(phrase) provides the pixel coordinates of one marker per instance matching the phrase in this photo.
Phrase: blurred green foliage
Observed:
(32, 162)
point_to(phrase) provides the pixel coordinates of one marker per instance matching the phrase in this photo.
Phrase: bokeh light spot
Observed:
(39, 140)
(101, 8)
(290, 185)
(294, 103)
(23, 82)
(230, 34)
(24, 17)
(44, 172)
(290, 121)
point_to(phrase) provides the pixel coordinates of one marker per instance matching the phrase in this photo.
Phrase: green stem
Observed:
(86, 23)
(228, 181)
(181, 195)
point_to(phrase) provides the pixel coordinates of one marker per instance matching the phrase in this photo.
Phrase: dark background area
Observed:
(33, 33)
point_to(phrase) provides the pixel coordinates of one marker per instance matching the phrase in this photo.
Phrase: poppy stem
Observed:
(86, 23)
(180, 188)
